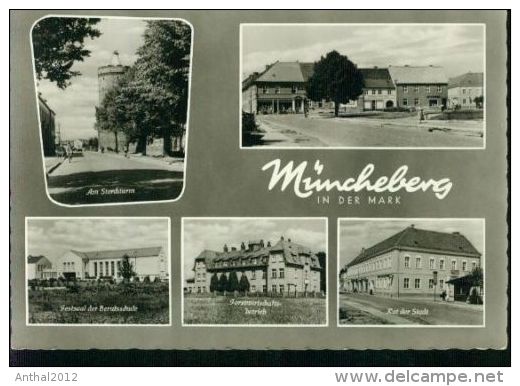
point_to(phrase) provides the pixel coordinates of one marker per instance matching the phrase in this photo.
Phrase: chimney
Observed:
(242, 246)
(226, 248)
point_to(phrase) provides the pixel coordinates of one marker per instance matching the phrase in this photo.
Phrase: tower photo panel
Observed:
(411, 272)
(254, 271)
(112, 97)
(98, 270)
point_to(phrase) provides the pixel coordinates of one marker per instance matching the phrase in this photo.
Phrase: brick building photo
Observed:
(433, 268)
(266, 280)
(298, 89)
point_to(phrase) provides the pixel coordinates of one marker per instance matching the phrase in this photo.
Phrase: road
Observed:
(104, 178)
(294, 130)
(401, 311)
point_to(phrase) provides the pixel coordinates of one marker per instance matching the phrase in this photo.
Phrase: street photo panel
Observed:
(411, 272)
(395, 85)
(254, 271)
(98, 271)
(112, 97)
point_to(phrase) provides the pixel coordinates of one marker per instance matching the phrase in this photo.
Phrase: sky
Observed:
(75, 106)
(357, 234)
(212, 234)
(458, 48)
(53, 237)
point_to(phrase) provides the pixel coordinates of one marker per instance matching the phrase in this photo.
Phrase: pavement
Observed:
(294, 130)
(109, 177)
(414, 310)
(51, 163)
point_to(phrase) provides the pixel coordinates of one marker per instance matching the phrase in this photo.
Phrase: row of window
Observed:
(378, 92)
(426, 88)
(294, 89)
(107, 268)
(442, 263)
(416, 102)
(274, 288)
(68, 266)
(418, 282)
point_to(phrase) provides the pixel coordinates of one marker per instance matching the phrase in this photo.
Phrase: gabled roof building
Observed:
(464, 90)
(283, 267)
(411, 262)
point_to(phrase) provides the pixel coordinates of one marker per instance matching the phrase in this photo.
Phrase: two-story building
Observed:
(464, 91)
(420, 86)
(379, 92)
(413, 262)
(285, 267)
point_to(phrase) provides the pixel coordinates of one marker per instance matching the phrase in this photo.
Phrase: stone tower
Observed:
(109, 75)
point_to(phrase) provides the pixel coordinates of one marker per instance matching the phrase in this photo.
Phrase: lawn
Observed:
(254, 310)
(145, 304)
(354, 316)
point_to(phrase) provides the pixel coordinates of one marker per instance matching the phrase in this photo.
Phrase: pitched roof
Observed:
(377, 77)
(417, 74)
(420, 239)
(470, 79)
(283, 72)
(119, 253)
(292, 253)
(35, 259)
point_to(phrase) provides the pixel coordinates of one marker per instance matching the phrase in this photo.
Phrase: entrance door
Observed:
(373, 105)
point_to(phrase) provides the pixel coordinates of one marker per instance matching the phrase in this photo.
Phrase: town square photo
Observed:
(411, 272)
(382, 85)
(112, 96)
(98, 270)
(254, 271)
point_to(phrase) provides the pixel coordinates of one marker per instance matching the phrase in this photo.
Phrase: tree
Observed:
(162, 71)
(477, 277)
(214, 284)
(222, 283)
(243, 286)
(127, 270)
(322, 258)
(59, 42)
(335, 78)
(479, 101)
(233, 282)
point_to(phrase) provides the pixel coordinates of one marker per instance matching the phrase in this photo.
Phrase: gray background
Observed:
(223, 180)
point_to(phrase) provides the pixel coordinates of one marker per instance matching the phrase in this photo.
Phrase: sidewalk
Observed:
(51, 163)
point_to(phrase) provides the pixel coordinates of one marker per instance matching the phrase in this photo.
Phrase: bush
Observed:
(157, 279)
(146, 279)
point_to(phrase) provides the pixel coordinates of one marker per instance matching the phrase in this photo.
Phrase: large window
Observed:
(273, 288)
(112, 268)
(430, 283)
(418, 263)
(464, 265)
(454, 265)
(405, 88)
(441, 264)
(407, 261)
(405, 102)
(273, 273)
(282, 273)
(432, 263)
(281, 288)
(416, 102)
(406, 283)
(417, 283)
(95, 269)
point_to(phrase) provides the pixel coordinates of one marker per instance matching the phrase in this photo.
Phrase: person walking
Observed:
(68, 152)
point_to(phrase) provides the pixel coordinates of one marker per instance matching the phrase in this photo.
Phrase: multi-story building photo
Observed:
(466, 91)
(435, 267)
(420, 86)
(284, 267)
(246, 271)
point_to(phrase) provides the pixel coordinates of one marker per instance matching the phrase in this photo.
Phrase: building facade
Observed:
(413, 262)
(283, 268)
(149, 262)
(279, 89)
(47, 127)
(464, 89)
(38, 267)
(420, 86)
(379, 92)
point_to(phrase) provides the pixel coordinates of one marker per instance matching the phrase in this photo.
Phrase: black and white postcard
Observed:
(255, 271)
(112, 97)
(363, 85)
(98, 271)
